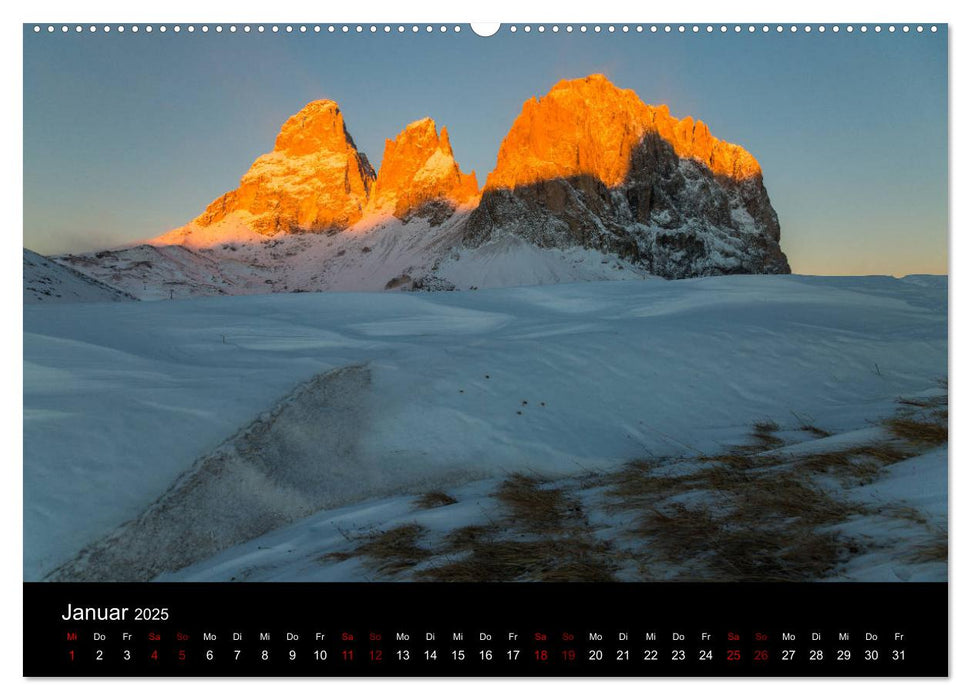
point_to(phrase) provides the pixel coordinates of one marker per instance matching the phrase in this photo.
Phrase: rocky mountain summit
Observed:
(419, 175)
(591, 165)
(314, 179)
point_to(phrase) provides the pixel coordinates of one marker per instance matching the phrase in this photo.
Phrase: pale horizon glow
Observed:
(128, 136)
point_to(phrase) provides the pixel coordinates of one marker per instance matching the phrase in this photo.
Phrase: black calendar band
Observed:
(419, 629)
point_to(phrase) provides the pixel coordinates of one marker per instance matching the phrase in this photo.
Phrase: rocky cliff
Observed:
(314, 179)
(419, 175)
(592, 165)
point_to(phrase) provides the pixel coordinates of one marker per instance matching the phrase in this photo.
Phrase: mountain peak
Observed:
(423, 124)
(318, 126)
(592, 165)
(589, 126)
(314, 179)
(418, 169)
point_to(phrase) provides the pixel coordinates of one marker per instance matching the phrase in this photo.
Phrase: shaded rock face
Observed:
(419, 175)
(315, 179)
(592, 165)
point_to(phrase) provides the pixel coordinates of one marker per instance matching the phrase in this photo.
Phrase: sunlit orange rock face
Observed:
(314, 179)
(591, 165)
(419, 173)
(591, 127)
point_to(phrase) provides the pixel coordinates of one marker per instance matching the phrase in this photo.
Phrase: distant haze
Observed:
(127, 136)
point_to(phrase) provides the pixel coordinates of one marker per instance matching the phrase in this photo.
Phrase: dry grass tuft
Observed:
(546, 538)
(737, 459)
(925, 425)
(901, 511)
(636, 485)
(464, 538)
(392, 551)
(931, 552)
(677, 532)
(781, 495)
(546, 559)
(532, 507)
(434, 499)
(815, 431)
(920, 431)
(764, 434)
(860, 465)
(773, 532)
(925, 402)
(765, 426)
(783, 554)
(724, 479)
(337, 556)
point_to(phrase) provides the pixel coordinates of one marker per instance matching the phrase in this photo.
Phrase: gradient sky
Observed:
(127, 136)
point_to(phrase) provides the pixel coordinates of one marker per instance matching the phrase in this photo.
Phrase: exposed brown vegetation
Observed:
(860, 464)
(939, 401)
(464, 538)
(545, 559)
(754, 526)
(742, 458)
(751, 513)
(391, 551)
(905, 512)
(924, 425)
(934, 550)
(814, 430)
(637, 485)
(546, 538)
(764, 434)
(927, 432)
(532, 507)
(434, 499)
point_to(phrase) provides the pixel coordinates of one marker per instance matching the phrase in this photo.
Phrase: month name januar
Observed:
(74, 613)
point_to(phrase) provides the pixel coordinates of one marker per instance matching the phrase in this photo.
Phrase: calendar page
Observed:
(549, 349)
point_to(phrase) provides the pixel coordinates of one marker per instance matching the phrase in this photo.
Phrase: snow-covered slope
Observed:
(380, 253)
(48, 281)
(119, 400)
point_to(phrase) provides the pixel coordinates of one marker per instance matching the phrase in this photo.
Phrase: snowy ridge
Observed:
(46, 280)
(301, 456)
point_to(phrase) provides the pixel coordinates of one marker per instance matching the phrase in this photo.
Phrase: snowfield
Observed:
(224, 417)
